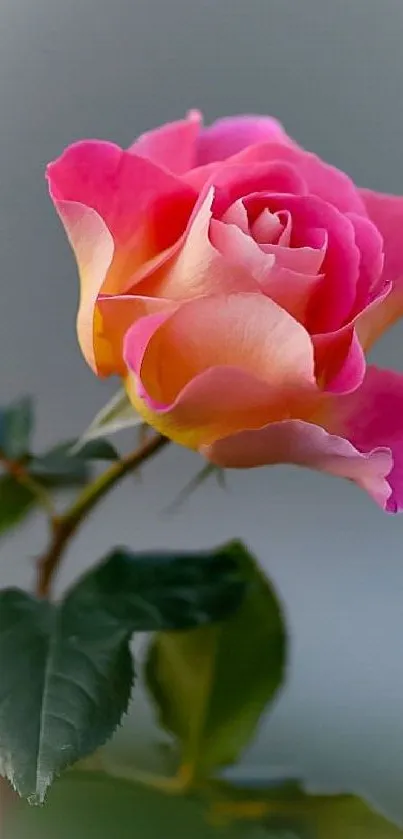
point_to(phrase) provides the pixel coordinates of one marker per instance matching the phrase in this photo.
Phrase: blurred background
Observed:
(333, 73)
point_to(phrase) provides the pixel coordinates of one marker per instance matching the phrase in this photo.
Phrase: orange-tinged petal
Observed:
(114, 315)
(219, 363)
(120, 212)
(93, 246)
(219, 401)
(248, 331)
(197, 267)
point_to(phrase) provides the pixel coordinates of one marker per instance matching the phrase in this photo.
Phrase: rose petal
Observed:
(230, 135)
(220, 400)
(339, 360)
(322, 179)
(236, 181)
(236, 214)
(370, 244)
(372, 417)
(115, 314)
(336, 295)
(305, 444)
(292, 290)
(386, 212)
(247, 331)
(93, 246)
(173, 145)
(119, 211)
(267, 228)
(217, 365)
(198, 267)
(131, 194)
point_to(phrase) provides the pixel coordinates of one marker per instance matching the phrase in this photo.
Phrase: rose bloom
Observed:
(236, 282)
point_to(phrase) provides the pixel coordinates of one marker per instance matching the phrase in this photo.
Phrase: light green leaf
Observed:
(93, 806)
(346, 818)
(66, 668)
(16, 423)
(287, 810)
(211, 685)
(117, 415)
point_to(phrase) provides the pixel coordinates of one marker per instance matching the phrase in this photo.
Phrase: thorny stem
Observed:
(66, 525)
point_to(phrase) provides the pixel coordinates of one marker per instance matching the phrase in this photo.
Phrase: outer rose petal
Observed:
(172, 145)
(305, 444)
(119, 211)
(230, 135)
(218, 365)
(114, 315)
(386, 212)
(247, 331)
(372, 417)
(93, 246)
(131, 194)
(221, 400)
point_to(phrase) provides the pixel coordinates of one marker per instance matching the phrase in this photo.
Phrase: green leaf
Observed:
(66, 669)
(61, 467)
(211, 685)
(344, 817)
(66, 682)
(117, 415)
(16, 502)
(288, 810)
(93, 806)
(98, 450)
(164, 590)
(16, 423)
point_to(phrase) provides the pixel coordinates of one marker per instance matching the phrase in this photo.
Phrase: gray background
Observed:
(332, 71)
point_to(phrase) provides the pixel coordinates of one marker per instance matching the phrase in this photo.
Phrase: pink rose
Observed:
(235, 282)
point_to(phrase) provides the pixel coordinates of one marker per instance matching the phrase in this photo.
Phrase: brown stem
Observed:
(65, 526)
(7, 799)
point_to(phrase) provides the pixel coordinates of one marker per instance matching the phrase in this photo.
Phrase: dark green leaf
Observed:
(93, 806)
(16, 422)
(66, 682)
(289, 811)
(58, 468)
(165, 590)
(66, 669)
(61, 467)
(211, 685)
(16, 501)
(98, 450)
